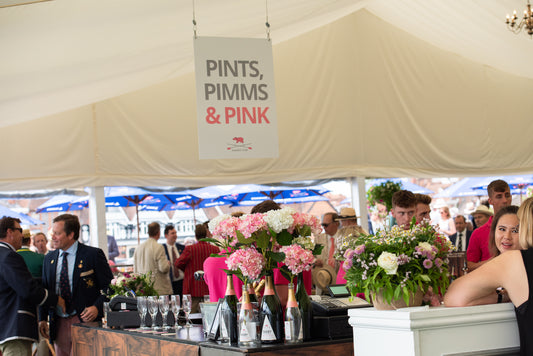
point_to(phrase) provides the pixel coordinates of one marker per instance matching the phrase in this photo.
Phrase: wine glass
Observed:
(142, 308)
(153, 308)
(186, 305)
(175, 305)
(163, 307)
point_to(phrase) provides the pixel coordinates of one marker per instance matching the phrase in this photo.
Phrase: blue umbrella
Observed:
(252, 194)
(517, 183)
(463, 188)
(406, 184)
(25, 219)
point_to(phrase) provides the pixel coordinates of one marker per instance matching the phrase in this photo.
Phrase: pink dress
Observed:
(215, 278)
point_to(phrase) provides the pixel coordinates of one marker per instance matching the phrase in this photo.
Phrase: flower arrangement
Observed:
(133, 285)
(398, 262)
(382, 193)
(268, 235)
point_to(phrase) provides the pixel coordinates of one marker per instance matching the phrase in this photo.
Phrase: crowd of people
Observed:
(65, 283)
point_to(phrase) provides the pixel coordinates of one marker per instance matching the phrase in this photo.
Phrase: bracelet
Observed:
(499, 291)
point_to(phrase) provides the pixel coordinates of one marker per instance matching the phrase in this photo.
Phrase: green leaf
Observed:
(318, 249)
(284, 238)
(425, 278)
(305, 231)
(263, 239)
(212, 241)
(276, 256)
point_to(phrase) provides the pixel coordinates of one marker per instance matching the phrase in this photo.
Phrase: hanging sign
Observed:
(235, 98)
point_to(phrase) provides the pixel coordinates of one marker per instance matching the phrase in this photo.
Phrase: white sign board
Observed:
(236, 105)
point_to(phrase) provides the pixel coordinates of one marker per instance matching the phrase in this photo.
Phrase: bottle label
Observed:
(268, 291)
(288, 331)
(267, 333)
(223, 329)
(244, 335)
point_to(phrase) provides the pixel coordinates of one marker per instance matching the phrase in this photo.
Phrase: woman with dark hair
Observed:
(503, 234)
(512, 270)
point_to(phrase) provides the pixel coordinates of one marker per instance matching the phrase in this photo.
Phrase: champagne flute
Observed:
(186, 305)
(164, 306)
(153, 308)
(175, 305)
(142, 308)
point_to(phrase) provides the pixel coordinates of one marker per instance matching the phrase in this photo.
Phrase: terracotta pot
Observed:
(415, 300)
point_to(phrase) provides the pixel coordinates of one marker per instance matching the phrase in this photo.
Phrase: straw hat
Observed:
(26, 233)
(482, 209)
(346, 214)
(324, 276)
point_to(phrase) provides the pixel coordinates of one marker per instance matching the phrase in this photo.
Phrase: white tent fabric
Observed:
(102, 93)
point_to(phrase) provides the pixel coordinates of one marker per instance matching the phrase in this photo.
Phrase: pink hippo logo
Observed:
(238, 140)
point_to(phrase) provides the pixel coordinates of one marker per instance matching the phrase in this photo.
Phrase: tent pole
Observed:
(138, 227)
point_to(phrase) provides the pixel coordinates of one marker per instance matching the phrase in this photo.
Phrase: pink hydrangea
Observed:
(298, 259)
(252, 223)
(227, 230)
(248, 260)
(302, 219)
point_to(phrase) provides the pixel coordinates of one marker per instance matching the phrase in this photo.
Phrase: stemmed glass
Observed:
(186, 305)
(153, 308)
(175, 305)
(142, 308)
(163, 306)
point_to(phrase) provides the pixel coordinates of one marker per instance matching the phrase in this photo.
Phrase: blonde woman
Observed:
(446, 223)
(512, 270)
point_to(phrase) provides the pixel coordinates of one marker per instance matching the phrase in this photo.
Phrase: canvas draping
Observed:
(63, 54)
(357, 97)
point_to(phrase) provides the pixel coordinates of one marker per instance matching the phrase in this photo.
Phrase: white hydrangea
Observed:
(213, 223)
(306, 242)
(425, 246)
(389, 262)
(278, 220)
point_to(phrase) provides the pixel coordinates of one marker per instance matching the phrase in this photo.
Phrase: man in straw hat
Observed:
(348, 222)
(478, 248)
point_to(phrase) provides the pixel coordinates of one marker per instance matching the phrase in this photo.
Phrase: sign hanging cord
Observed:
(194, 19)
(266, 23)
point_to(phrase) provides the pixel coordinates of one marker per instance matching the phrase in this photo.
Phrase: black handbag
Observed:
(121, 302)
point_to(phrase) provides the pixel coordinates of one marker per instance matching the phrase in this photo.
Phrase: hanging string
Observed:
(194, 19)
(266, 23)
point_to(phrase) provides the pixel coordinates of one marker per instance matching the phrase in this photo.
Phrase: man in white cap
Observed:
(481, 215)
(478, 251)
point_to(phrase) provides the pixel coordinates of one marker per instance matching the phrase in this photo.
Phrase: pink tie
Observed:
(331, 260)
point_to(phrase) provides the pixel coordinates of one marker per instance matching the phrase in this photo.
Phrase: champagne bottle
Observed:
(251, 293)
(306, 308)
(247, 321)
(271, 315)
(293, 319)
(228, 322)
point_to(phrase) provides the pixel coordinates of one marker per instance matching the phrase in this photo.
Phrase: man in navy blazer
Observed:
(176, 275)
(460, 227)
(20, 294)
(88, 274)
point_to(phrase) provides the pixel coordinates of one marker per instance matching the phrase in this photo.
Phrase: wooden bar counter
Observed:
(92, 340)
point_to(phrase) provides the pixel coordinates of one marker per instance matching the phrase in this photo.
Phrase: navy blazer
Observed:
(454, 237)
(91, 277)
(20, 294)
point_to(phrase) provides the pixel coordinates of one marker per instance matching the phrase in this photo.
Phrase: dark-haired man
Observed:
(191, 260)
(423, 210)
(403, 208)
(78, 273)
(478, 249)
(20, 294)
(173, 250)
